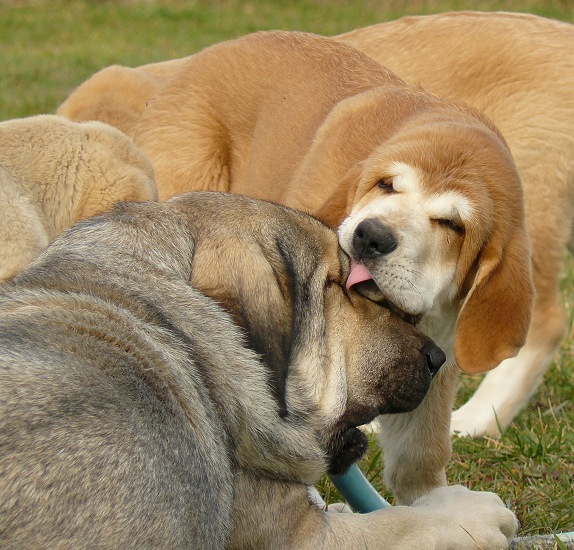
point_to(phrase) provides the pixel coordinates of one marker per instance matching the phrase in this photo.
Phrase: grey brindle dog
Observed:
(173, 375)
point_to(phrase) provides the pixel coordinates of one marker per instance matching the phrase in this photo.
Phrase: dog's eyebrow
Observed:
(450, 204)
(406, 178)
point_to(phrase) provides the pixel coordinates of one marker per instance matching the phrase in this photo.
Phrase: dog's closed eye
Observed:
(452, 225)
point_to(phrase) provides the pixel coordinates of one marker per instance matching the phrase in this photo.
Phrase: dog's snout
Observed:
(435, 357)
(372, 238)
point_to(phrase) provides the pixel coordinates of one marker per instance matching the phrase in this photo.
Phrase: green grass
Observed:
(48, 47)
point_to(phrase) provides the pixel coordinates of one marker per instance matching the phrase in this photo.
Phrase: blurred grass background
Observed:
(48, 47)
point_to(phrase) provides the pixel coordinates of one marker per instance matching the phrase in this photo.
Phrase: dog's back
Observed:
(53, 173)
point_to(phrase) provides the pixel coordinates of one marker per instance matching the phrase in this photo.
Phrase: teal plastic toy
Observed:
(358, 492)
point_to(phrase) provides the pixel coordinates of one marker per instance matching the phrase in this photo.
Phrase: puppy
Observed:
(139, 412)
(54, 172)
(518, 69)
(314, 124)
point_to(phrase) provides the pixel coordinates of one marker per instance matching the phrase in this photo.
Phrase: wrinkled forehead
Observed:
(447, 151)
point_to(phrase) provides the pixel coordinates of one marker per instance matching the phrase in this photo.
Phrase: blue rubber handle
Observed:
(358, 492)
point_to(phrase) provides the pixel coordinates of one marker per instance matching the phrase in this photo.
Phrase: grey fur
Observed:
(134, 406)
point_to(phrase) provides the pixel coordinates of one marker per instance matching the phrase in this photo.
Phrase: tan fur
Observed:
(53, 173)
(122, 103)
(519, 70)
(137, 412)
(308, 122)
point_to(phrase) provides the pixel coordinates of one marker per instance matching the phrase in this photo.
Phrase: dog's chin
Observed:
(347, 447)
(371, 291)
(347, 443)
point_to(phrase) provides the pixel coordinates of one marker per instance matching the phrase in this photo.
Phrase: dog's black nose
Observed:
(372, 238)
(435, 357)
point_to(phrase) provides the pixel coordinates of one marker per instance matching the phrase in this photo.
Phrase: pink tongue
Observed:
(359, 273)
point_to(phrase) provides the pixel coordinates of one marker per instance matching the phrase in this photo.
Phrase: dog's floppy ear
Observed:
(242, 277)
(338, 206)
(495, 315)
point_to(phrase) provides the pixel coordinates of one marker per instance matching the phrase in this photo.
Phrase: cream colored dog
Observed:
(314, 124)
(518, 69)
(54, 172)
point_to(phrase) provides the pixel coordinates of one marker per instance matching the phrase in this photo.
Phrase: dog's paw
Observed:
(373, 427)
(349, 447)
(469, 519)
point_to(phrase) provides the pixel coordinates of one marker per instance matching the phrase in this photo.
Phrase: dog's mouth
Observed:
(361, 280)
(358, 274)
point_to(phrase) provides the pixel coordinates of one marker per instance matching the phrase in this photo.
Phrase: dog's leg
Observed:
(417, 445)
(507, 389)
(272, 514)
(203, 155)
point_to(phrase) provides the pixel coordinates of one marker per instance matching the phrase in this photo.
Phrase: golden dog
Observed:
(53, 173)
(137, 412)
(518, 69)
(314, 124)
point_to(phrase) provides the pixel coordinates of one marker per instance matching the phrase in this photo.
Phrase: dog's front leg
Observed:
(417, 445)
(273, 514)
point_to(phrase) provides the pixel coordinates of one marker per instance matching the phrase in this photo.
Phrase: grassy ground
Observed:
(47, 47)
